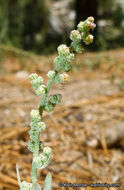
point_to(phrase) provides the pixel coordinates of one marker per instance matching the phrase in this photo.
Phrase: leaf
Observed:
(36, 186)
(48, 182)
(18, 176)
(45, 164)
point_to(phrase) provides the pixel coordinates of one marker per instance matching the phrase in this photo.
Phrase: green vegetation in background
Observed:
(23, 24)
(111, 36)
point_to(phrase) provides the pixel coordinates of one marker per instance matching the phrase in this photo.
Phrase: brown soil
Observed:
(92, 100)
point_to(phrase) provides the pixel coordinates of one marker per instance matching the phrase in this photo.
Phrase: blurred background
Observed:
(86, 131)
(41, 28)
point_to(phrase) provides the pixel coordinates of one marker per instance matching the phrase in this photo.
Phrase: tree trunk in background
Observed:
(84, 9)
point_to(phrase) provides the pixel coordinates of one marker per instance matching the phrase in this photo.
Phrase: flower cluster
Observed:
(64, 77)
(64, 59)
(63, 64)
(51, 74)
(48, 102)
(37, 126)
(82, 34)
(43, 159)
(37, 84)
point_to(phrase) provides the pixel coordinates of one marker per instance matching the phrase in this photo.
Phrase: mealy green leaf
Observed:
(48, 182)
(36, 186)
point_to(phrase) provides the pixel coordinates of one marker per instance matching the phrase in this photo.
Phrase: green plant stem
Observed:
(42, 102)
(35, 154)
(50, 82)
(36, 149)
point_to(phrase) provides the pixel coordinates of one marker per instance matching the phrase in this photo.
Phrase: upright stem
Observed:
(35, 154)
(42, 102)
(50, 82)
(36, 149)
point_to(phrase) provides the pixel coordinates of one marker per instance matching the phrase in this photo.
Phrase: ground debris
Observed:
(91, 114)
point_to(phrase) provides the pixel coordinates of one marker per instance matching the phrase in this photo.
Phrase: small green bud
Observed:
(63, 62)
(90, 25)
(77, 47)
(86, 25)
(47, 150)
(41, 90)
(40, 80)
(64, 77)
(55, 99)
(37, 82)
(33, 76)
(33, 124)
(58, 62)
(41, 126)
(80, 26)
(35, 116)
(91, 19)
(75, 36)
(26, 186)
(51, 74)
(63, 50)
(89, 39)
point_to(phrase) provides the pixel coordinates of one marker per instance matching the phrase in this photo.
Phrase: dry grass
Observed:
(92, 102)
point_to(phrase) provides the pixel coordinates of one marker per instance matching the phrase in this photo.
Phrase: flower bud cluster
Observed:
(63, 62)
(64, 59)
(51, 74)
(43, 159)
(37, 84)
(75, 36)
(63, 77)
(26, 186)
(82, 34)
(87, 25)
(37, 126)
(62, 65)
